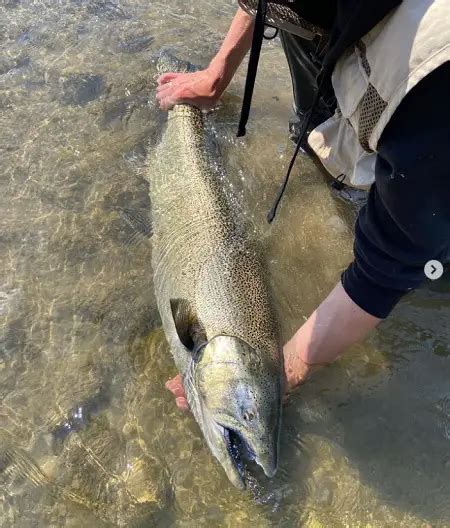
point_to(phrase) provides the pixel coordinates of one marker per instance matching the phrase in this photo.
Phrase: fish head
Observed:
(235, 393)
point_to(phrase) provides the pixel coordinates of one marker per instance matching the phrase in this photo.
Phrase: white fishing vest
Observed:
(371, 79)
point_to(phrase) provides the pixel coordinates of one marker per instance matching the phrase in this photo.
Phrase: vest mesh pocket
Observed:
(282, 15)
(372, 105)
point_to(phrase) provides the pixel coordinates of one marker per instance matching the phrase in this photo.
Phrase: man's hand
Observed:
(175, 385)
(204, 88)
(201, 89)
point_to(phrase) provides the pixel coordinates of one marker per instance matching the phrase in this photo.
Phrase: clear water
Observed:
(83, 361)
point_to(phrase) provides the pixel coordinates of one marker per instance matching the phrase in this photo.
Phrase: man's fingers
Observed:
(165, 103)
(171, 96)
(176, 389)
(168, 102)
(167, 77)
(167, 96)
(175, 386)
(182, 404)
(161, 88)
(176, 380)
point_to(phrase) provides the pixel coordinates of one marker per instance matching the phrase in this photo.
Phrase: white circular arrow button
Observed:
(434, 269)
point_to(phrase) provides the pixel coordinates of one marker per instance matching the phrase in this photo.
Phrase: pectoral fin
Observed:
(189, 329)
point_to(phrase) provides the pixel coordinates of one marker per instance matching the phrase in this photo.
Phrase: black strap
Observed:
(338, 183)
(273, 210)
(258, 35)
(322, 78)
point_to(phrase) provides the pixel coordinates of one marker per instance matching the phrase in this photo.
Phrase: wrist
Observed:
(220, 73)
(335, 325)
(297, 367)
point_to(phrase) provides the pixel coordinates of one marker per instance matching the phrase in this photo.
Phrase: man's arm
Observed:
(335, 325)
(204, 88)
(405, 223)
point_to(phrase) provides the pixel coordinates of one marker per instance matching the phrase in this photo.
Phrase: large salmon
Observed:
(212, 296)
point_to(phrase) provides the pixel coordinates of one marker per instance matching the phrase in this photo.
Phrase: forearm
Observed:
(405, 223)
(234, 48)
(335, 325)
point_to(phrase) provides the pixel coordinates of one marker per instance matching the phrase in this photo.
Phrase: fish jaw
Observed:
(268, 462)
(244, 443)
(228, 461)
(231, 449)
(216, 435)
(218, 439)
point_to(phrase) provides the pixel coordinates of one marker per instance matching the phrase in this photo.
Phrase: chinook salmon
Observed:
(212, 297)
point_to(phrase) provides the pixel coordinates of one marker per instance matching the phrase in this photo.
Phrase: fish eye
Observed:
(248, 416)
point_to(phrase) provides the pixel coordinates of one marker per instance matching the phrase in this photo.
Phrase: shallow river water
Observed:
(88, 434)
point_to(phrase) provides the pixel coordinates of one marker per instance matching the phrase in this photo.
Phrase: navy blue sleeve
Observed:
(406, 221)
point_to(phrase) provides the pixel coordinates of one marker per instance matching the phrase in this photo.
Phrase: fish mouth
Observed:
(239, 451)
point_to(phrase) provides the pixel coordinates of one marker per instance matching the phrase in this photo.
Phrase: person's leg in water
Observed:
(304, 65)
(301, 55)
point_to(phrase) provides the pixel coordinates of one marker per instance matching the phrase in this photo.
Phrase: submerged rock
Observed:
(106, 9)
(136, 44)
(11, 3)
(10, 66)
(79, 89)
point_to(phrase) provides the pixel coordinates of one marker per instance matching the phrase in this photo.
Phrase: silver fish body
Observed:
(213, 300)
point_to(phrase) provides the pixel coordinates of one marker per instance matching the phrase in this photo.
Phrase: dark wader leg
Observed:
(299, 54)
(304, 69)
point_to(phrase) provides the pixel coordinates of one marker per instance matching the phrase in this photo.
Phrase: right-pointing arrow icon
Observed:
(434, 269)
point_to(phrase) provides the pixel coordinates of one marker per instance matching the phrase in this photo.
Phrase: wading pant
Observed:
(304, 67)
